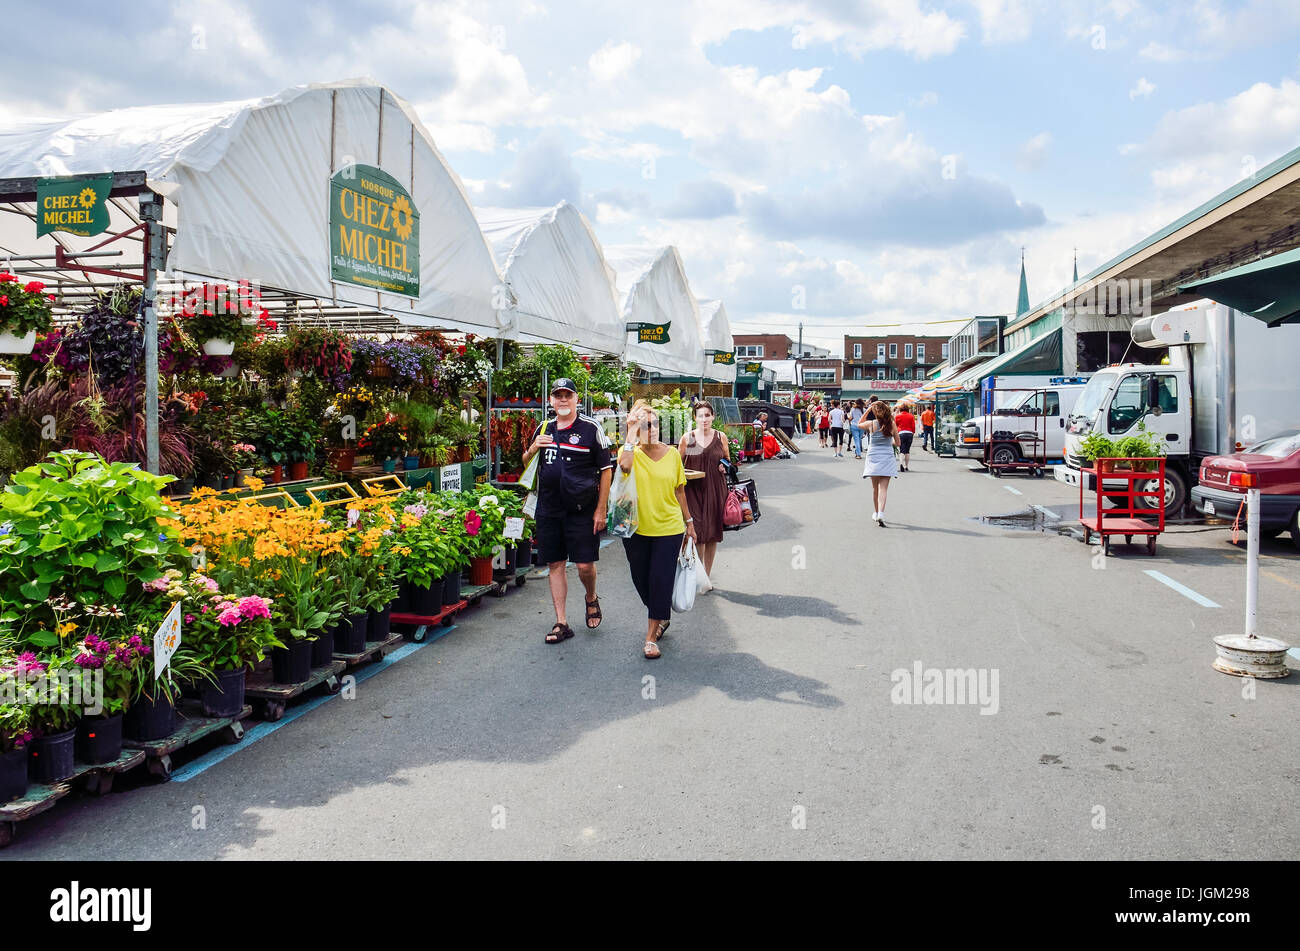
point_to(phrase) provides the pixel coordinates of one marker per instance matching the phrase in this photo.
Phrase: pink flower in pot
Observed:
(472, 522)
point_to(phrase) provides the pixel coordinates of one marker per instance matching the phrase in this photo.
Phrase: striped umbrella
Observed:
(935, 388)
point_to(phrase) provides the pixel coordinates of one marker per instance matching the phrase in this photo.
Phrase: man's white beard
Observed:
(562, 411)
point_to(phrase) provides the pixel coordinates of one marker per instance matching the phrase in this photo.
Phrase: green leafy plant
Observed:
(1095, 446)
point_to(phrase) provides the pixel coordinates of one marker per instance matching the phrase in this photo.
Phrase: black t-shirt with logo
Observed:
(568, 470)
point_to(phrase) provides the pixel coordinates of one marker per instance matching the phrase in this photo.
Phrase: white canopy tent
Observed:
(250, 184)
(563, 288)
(654, 290)
(716, 330)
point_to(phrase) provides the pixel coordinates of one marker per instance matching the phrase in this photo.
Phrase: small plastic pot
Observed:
(292, 664)
(52, 757)
(150, 719)
(226, 697)
(99, 739)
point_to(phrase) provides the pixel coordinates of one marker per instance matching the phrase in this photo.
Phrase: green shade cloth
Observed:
(1268, 290)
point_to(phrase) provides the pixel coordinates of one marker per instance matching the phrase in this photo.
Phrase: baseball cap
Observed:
(564, 383)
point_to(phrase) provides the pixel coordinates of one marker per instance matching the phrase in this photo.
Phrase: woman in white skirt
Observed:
(881, 464)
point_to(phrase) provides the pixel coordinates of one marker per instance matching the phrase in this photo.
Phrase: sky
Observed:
(840, 164)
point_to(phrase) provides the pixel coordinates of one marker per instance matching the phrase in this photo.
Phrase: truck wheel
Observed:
(1175, 493)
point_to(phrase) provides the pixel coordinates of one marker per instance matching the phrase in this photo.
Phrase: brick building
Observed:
(892, 357)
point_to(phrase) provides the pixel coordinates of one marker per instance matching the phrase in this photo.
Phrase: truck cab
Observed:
(1020, 413)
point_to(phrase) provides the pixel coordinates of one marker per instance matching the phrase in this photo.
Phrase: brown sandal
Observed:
(593, 617)
(561, 632)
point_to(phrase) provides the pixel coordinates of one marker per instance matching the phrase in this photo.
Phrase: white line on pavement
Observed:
(1046, 512)
(1015, 491)
(1181, 588)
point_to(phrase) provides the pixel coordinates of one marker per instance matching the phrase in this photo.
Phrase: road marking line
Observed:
(1015, 491)
(1181, 588)
(988, 475)
(1046, 512)
(1277, 577)
(255, 733)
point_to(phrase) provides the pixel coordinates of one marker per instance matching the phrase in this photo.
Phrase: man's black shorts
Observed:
(568, 537)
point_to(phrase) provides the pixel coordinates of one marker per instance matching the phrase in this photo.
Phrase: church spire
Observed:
(1022, 305)
(1076, 265)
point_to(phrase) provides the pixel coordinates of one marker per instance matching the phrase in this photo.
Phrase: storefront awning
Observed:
(1038, 357)
(1268, 290)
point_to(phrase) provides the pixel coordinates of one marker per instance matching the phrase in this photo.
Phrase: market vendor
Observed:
(572, 487)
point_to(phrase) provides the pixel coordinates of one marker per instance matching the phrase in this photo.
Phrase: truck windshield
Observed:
(1093, 394)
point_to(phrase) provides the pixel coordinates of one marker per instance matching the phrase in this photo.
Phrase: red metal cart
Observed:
(1013, 444)
(1125, 516)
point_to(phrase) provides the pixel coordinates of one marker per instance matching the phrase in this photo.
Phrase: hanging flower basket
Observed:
(218, 348)
(12, 344)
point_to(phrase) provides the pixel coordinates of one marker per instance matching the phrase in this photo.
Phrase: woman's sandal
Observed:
(593, 617)
(651, 650)
(561, 632)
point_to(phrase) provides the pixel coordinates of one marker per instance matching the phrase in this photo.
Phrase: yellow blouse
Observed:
(657, 511)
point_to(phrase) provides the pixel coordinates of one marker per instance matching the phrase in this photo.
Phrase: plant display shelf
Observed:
(473, 593)
(1126, 516)
(270, 698)
(96, 779)
(422, 622)
(158, 753)
(375, 650)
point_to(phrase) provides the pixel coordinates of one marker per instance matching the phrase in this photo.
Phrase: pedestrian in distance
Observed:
(823, 424)
(927, 428)
(705, 449)
(881, 464)
(663, 519)
(855, 431)
(837, 427)
(573, 478)
(906, 424)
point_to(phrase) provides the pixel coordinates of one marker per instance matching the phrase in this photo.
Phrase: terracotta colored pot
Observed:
(343, 459)
(297, 471)
(277, 473)
(480, 571)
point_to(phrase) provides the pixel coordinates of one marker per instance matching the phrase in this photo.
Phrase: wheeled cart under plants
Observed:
(270, 699)
(192, 728)
(375, 650)
(95, 779)
(422, 624)
(1128, 515)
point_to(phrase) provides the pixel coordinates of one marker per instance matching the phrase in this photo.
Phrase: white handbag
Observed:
(686, 583)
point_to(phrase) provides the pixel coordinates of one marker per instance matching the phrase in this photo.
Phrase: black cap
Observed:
(564, 383)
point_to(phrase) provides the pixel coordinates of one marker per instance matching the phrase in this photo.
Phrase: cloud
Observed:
(542, 174)
(928, 98)
(707, 199)
(1003, 21)
(1143, 89)
(612, 60)
(1033, 153)
(1159, 53)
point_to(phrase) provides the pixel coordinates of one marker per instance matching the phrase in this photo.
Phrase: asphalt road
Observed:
(770, 731)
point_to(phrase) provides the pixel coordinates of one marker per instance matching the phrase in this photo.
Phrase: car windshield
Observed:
(1090, 399)
(1279, 447)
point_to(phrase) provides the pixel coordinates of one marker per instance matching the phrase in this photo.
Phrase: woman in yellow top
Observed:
(663, 518)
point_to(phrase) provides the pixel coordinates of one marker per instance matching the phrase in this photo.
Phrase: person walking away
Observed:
(927, 429)
(705, 449)
(855, 432)
(837, 427)
(906, 424)
(663, 519)
(881, 465)
(572, 493)
(823, 424)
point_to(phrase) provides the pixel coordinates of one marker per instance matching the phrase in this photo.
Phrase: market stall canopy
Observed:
(655, 294)
(255, 182)
(716, 331)
(563, 288)
(1039, 357)
(1267, 289)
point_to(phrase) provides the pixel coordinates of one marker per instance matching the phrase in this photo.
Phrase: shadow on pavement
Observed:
(788, 605)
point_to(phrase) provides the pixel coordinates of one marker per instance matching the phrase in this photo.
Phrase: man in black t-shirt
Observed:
(573, 475)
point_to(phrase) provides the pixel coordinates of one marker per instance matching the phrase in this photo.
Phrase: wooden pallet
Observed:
(95, 778)
(375, 650)
(420, 623)
(158, 753)
(270, 698)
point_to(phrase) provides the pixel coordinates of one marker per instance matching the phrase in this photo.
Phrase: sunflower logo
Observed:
(87, 198)
(403, 218)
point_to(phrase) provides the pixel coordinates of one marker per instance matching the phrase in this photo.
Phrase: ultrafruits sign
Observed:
(77, 204)
(374, 232)
(650, 333)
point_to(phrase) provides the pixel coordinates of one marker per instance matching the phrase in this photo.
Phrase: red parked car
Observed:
(1273, 467)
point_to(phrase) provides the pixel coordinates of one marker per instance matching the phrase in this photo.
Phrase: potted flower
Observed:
(1143, 448)
(24, 310)
(214, 320)
(483, 526)
(15, 731)
(60, 690)
(245, 460)
(1096, 448)
(99, 734)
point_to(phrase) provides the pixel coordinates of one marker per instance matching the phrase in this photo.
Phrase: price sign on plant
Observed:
(449, 478)
(514, 528)
(166, 640)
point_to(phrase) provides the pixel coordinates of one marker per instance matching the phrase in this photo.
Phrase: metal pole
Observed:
(155, 259)
(1252, 561)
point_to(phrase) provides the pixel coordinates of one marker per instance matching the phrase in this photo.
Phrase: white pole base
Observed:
(1260, 657)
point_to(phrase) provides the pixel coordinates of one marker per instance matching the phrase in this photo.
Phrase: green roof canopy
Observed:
(1267, 289)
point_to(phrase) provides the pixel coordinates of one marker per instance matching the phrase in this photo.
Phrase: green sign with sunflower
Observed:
(374, 231)
(77, 204)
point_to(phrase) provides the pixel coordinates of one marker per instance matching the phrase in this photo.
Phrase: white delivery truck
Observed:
(1018, 411)
(1230, 381)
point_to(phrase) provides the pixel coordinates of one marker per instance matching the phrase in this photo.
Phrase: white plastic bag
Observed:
(686, 583)
(622, 504)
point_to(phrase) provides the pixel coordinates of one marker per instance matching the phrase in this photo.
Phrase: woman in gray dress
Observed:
(881, 464)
